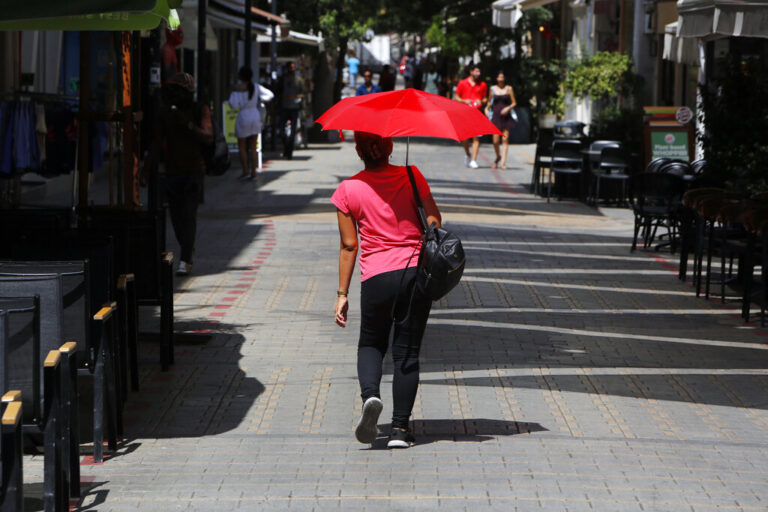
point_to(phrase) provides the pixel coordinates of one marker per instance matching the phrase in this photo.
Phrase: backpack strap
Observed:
(419, 206)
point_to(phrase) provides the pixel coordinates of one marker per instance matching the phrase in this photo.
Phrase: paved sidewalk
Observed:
(565, 373)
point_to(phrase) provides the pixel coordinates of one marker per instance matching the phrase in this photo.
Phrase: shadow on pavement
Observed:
(204, 393)
(476, 430)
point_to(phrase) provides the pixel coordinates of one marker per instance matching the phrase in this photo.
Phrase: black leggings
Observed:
(377, 295)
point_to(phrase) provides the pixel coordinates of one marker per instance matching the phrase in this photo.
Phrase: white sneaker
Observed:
(184, 268)
(467, 159)
(473, 164)
(367, 429)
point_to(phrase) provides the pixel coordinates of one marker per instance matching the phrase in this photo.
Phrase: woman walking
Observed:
(501, 101)
(377, 207)
(248, 122)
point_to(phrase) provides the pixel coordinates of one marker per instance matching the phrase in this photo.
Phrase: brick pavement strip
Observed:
(563, 374)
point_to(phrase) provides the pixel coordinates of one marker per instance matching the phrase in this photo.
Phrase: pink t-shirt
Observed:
(382, 204)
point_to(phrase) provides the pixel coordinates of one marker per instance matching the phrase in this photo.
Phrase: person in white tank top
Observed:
(247, 97)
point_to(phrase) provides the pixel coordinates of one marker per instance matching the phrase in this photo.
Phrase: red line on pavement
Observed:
(217, 314)
(503, 183)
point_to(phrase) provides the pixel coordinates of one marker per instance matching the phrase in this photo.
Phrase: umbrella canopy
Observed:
(406, 113)
(133, 18)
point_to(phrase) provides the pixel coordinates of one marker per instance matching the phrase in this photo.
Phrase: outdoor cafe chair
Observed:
(595, 149)
(105, 404)
(139, 238)
(698, 166)
(54, 409)
(567, 160)
(655, 201)
(655, 164)
(11, 445)
(691, 227)
(614, 165)
(543, 157)
(676, 167)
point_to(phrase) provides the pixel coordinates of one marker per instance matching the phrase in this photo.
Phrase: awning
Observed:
(188, 17)
(683, 50)
(34, 9)
(703, 18)
(117, 21)
(506, 13)
(239, 7)
(292, 36)
(227, 14)
(530, 4)
(224, 18)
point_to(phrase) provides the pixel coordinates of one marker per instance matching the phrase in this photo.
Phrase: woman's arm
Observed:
(512, 96)
(489, 101)
(433, 213)
(265, 94)
(347, 257)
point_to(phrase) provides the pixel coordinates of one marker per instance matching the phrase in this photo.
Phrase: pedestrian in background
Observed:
(353, 64)
(387, 79)
(367, 87)
(501, 105)
(182, 129)
(376, 206)
(431, 79)
(291, 102)
(247, 97)
(473, 92)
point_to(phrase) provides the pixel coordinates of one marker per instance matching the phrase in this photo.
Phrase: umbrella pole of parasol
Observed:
(407, 146)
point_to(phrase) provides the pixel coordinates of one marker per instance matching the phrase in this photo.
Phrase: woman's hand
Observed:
(342, 306)
(505, 110)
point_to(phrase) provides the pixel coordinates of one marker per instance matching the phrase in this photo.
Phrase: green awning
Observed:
(131, 19)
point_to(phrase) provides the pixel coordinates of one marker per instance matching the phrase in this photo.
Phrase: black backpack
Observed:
(441, 260)
(216, 153)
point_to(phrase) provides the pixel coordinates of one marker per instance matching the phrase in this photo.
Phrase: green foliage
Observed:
(622, 124)
(452, 42)
(605, 75)
(735, 117)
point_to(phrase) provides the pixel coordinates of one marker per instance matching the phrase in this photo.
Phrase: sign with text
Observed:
(668, 133)
(228, 118)
(669, 144)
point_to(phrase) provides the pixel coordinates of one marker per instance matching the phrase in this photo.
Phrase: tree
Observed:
(340, 22)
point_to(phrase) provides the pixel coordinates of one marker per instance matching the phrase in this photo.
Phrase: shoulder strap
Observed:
(419, 205)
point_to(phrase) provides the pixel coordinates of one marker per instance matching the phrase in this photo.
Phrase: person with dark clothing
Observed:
(387, 79)
(367, 87)
(291, 101)
(182, 130)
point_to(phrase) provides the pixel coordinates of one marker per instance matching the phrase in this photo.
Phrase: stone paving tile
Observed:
(564, 373)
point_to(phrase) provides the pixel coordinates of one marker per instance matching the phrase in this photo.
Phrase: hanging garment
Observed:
(6, 136)
(41, 129)
(61, 140)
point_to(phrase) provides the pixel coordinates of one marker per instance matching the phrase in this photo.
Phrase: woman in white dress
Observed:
(246, 97)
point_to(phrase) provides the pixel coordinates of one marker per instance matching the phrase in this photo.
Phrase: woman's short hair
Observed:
(373, 147)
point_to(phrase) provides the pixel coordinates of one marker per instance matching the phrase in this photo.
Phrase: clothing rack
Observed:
(43, 97)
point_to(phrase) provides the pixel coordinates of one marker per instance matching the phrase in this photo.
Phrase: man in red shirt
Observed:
(473, 92)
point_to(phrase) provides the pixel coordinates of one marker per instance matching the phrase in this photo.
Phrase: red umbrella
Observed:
(405, 113)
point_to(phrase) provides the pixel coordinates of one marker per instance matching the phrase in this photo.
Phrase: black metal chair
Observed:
(655, 164)
(676, 167)
(543, 158)
(567, 160)
(615, 165)
(54, 411)
(49, 288)
(655, 201)
(595, 149)
(11, 445)
(698, 166)
(139, 238)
